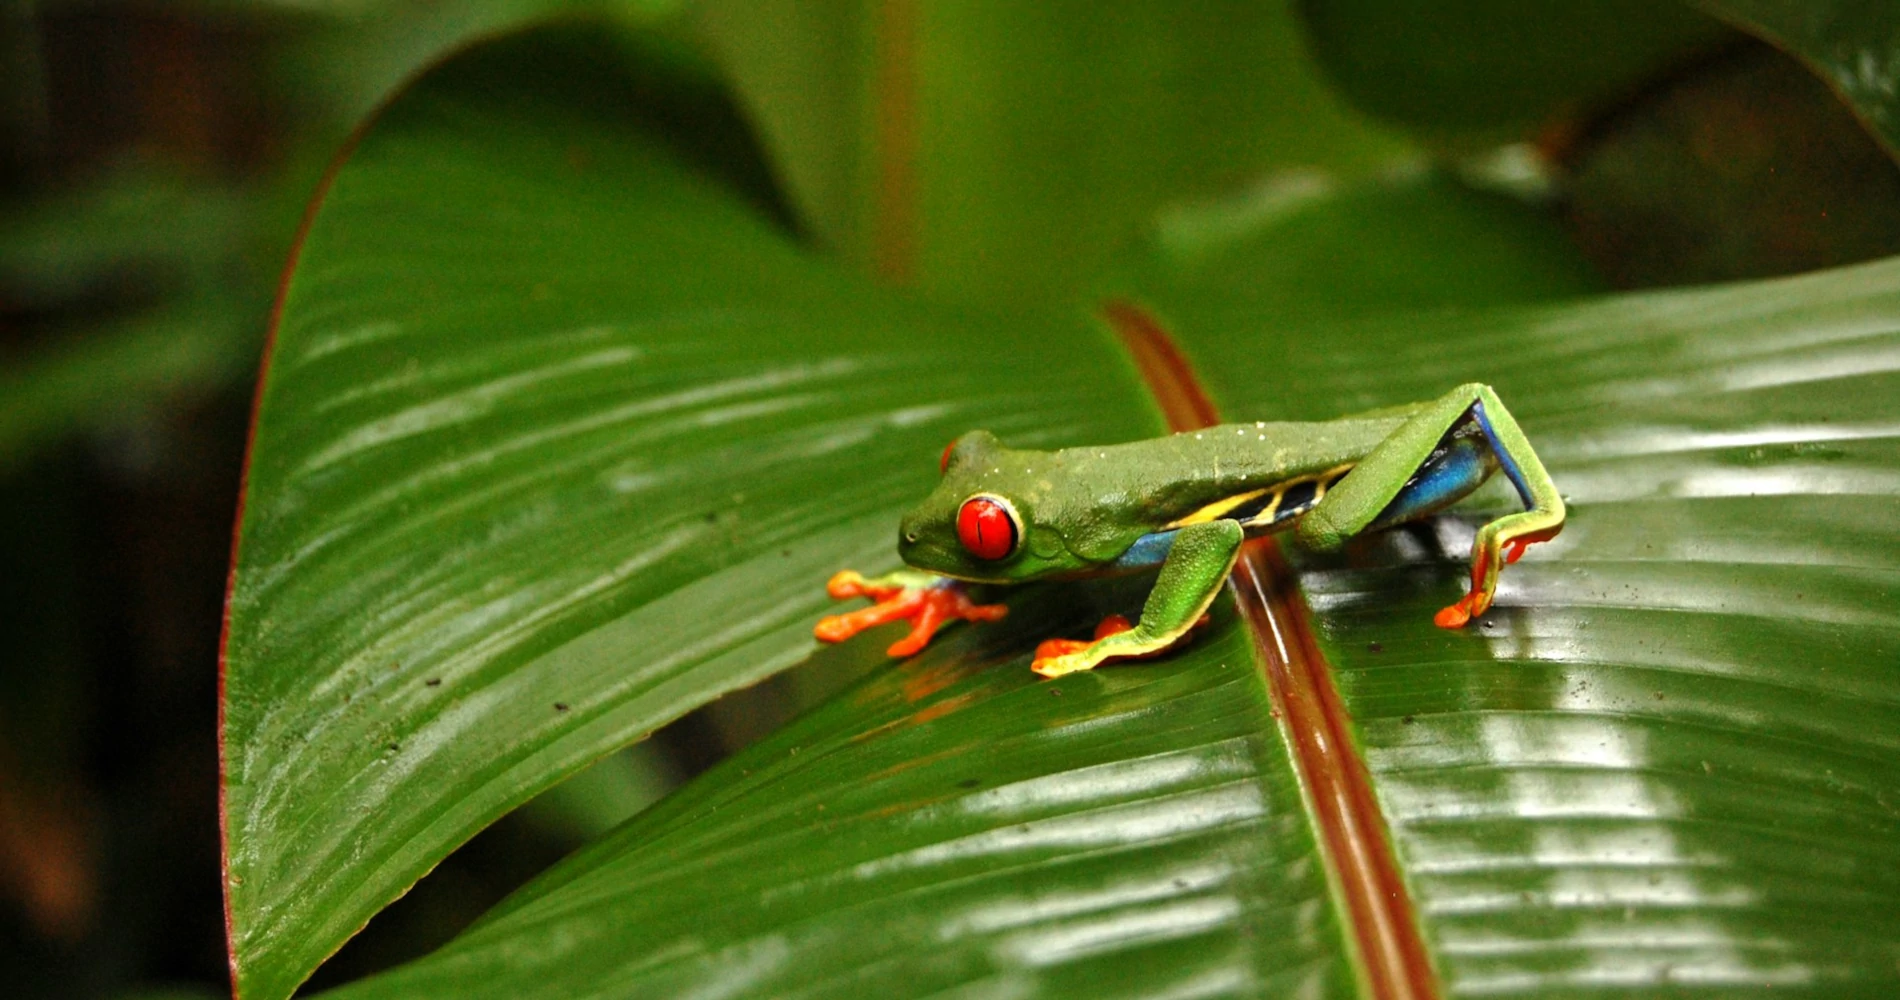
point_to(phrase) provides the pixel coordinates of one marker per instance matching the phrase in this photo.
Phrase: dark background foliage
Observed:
(155, 158)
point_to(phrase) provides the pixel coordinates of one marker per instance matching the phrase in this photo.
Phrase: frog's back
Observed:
(1263, 475)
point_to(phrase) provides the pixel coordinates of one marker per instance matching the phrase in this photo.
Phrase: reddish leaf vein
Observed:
(1392, 960)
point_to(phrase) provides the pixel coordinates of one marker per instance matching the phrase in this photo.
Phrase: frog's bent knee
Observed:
(1316, 531)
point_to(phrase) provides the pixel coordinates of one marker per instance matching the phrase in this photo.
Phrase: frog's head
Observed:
(980, 523)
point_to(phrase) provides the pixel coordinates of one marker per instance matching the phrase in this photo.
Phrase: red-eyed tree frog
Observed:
(1185, 503)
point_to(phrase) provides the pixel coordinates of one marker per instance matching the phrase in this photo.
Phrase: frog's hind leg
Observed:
(1434, 459)
(1197, 565)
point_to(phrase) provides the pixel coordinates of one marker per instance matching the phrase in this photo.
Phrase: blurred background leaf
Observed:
(1746, 168)
(1469, 74)
(1852, 44)
(1002, 150)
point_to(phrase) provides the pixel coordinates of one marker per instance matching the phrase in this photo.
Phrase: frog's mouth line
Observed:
(937, 559)
(990, 581)
(1128, 563)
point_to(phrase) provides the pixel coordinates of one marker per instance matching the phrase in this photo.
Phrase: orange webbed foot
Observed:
(1473, 604)
(1478, 599)
(1050, 649)
(1468, 607)
(926, 601)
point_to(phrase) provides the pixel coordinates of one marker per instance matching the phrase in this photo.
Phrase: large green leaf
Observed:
(1661, 765)
(558, 440)
(510, 308)
(1666, 761)
(552, 421)
(1022, 196)
(952, 825)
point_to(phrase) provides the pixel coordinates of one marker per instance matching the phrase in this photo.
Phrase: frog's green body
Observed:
(1185, 502)
(1083, 508)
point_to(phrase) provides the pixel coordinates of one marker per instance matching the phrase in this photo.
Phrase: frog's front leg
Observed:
(1198, 563)
(1439, 455)
(926, 599)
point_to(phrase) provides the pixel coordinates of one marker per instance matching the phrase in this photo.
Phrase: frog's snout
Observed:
(917, 547)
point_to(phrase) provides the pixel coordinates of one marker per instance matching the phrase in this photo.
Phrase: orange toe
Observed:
(926, 608)
(844, 583)
(1468, 607)
(908, 645)
(1049, 649)
(1454, 616)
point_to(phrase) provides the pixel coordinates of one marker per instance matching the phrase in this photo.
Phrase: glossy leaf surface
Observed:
(1096, 850)
(558, 440)
(953, 825)
(1565, 830)
(1665, 761)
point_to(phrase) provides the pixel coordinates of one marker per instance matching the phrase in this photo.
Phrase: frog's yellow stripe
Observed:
(1214, 510)
(1269, 512)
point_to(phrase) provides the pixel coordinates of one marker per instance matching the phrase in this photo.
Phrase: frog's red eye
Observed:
(988, 526)
(943, 464)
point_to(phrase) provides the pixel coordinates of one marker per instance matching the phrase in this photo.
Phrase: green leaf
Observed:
(558, 440)
(1664, 758)
(142, 284)
(1300, 252)
(345, 57)
(1667, 756)
(137, 225)
(1023, 196)
(529, 343)
(118, 372)
(515, 447)
(1008, 150)
(1853, 44)
(951, 824)
(1479, 71)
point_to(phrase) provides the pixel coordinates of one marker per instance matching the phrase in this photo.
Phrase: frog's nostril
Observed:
(911, 537)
